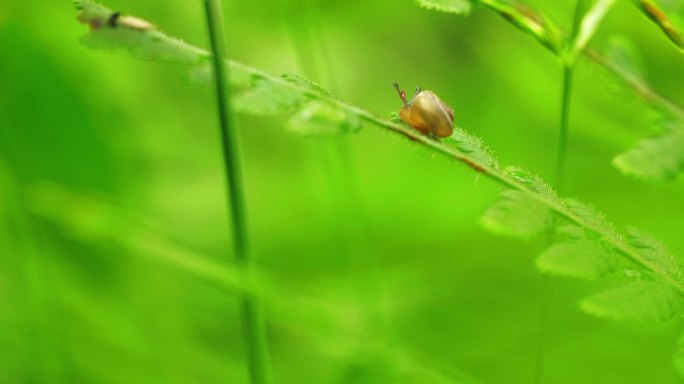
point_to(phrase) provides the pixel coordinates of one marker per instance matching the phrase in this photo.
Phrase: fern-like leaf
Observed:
(659, 158)
(146, 45)
(516, 215)
(576, 254)
(638, 301)
(319, 118)
(459, 7)
(267, 97)
(625, 58)
(655, 253)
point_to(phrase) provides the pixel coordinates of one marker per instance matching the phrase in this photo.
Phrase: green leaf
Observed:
(655, 253)
(268, 97)
(146, 45)
(305, 83)
(459, 7)
(589, 25)
(202, 75)
(534, 183)
(594, 220)
(625, 57)
(577, 255)
(320, 118)
(471, 145)
(516, 215)
(659, 158)
(639, 301)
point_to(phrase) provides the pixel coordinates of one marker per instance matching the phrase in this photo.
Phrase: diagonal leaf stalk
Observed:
(252, 317)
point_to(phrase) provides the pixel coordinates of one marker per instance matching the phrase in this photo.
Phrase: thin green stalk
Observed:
(253, 320)
(563, 128)
(558, 180)
(561, 154)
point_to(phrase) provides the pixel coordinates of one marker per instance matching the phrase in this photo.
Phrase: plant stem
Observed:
(253, 319)
(563, 128)
(558, 180)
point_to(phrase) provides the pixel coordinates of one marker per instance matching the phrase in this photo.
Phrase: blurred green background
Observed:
(110, 167)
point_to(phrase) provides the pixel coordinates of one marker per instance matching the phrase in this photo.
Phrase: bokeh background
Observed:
(111, 189)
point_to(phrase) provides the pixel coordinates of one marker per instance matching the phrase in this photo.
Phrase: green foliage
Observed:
(263, 96)
(459, 7)
(655, 253)
(473, 146)
(466, 149)
(146, 45)
(637, 301)
(319, 118)
(577, 254)
(625, 59)
(658, 158)
(94, 218)
(517, 215)
(589, 243)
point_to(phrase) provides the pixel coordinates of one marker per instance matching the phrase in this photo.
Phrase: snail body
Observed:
(427, 113)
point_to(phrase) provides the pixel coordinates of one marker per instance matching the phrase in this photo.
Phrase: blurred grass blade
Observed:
(589, 25)
(659, 158)
(641, 301)
(94, 219)
(458, 7)
(577, 255)
(516, 215)
(661, 19)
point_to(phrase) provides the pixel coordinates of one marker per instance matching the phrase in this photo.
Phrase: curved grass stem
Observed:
(253, 320)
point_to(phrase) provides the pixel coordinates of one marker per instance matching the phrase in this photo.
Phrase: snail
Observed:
(426, 113)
